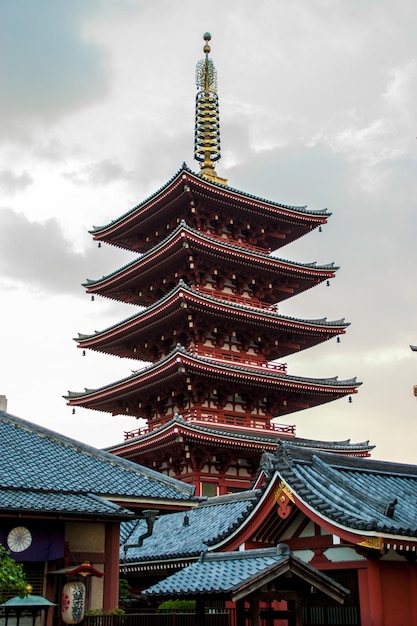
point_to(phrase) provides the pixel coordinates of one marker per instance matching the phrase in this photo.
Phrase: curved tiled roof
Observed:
(186, 534)
(228, 369)
(247, 572)
(259, 436)
(40, 469)
(302, 210)
(242, 307)
(210, 242)
(361, 494)
(323, 445)
(19, 500)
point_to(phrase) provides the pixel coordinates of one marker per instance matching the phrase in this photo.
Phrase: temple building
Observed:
(353, 519)
(207, 281)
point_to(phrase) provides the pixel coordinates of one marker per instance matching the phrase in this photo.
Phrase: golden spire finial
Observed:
(207, 127)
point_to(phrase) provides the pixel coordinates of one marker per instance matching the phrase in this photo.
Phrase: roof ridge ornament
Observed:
(207, 125)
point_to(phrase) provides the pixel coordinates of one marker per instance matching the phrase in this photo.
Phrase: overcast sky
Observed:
(318, 102)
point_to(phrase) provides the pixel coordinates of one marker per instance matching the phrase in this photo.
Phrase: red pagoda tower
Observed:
(209, 325)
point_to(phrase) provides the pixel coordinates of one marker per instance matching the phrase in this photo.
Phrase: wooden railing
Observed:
(327, 612)
(206, 417)
(153, 617)
(232, 297)
(254, 360)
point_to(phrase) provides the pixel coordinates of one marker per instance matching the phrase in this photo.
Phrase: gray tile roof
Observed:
(361, 494)
(192, 360)
(41, 469)
(37, 502)
(274, 263)
(173, 538)
(343, 446)
(302, 210)
(234, 306)
(264, 437)
(239, 574)
(217, 573)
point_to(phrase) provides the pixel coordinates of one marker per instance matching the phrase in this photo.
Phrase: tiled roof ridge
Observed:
(226, 244)
(310, 490)
(249, 494)
(182, 285)
(21, 500)
(178, 419)
(264, 436)
(184, 168)
(280, 550)
(180, 350)
(328, 472)
(364, 464)
(344, 444)
(299, 208)
(314, 381)
(336, 501)
(97, 229)
(144, 472)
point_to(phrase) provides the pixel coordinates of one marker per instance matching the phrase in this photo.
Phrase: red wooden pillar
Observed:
(413, 592)
(111, 567)
(255, 612)
(376, 612)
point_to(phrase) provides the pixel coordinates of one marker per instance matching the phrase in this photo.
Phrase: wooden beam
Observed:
(200, 613)
(240, 613)
(254, 613)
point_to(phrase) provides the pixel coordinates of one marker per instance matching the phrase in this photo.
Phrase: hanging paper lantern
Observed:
(73, 602)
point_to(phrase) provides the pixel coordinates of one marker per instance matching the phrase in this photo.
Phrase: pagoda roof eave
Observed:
(190, 429)
(180, 362)
(184, 234)
(175, 186)
(235, 435)
(184, 293)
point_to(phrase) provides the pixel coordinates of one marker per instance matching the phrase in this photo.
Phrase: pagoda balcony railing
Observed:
(207, 417)
(236, 299)
(254, 361)
(226, 238)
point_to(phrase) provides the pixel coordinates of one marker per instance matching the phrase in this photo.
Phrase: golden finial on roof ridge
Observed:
(207, 125)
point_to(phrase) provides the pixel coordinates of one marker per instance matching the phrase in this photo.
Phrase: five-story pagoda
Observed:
(209, 325)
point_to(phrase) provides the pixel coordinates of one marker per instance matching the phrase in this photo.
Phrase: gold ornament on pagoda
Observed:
(207, 125)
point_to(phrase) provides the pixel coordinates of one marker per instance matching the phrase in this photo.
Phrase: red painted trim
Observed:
(131, 326)
(375, 593)
(111, 567)
(179, 364)
(83, 570)
(350, 537)
(174, 247)
(173, 190)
